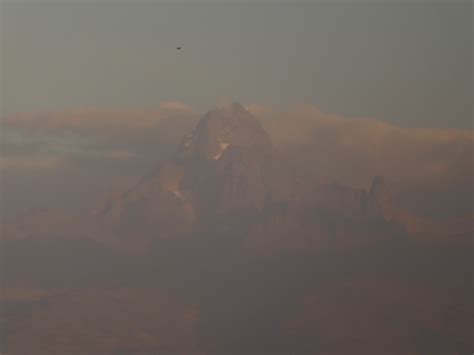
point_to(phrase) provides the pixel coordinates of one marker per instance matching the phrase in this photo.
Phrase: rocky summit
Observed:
(224, 173)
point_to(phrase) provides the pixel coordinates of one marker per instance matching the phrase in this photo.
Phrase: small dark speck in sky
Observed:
(178, 48)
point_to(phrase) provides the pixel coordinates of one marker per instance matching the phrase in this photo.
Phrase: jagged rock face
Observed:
(228, 126)
(224, 174)
(227, 160)
(238, 180)
(223, 166)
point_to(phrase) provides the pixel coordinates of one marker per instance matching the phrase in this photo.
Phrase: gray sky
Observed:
(407, 63)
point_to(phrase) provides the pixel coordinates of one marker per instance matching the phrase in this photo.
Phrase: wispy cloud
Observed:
(29, 163)
(88, 120)
(86, 133)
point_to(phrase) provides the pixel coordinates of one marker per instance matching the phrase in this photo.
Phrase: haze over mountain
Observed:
(227, 168)
(234, 243)
(145, 211)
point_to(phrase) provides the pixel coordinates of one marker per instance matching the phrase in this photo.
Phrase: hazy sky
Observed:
(408, 63)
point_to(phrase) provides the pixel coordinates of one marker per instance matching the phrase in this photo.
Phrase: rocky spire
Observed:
(382, 197)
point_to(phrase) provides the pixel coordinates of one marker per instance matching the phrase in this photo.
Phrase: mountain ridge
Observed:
(226, 171)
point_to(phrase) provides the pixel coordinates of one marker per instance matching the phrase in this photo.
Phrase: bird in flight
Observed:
(178, 48)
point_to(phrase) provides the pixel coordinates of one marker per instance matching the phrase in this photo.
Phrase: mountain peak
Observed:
(230, 114)
(229, 125)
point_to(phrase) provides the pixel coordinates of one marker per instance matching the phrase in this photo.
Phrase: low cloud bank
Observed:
(429, 169)
(92, 120)
(88, 133)
(358, 148)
